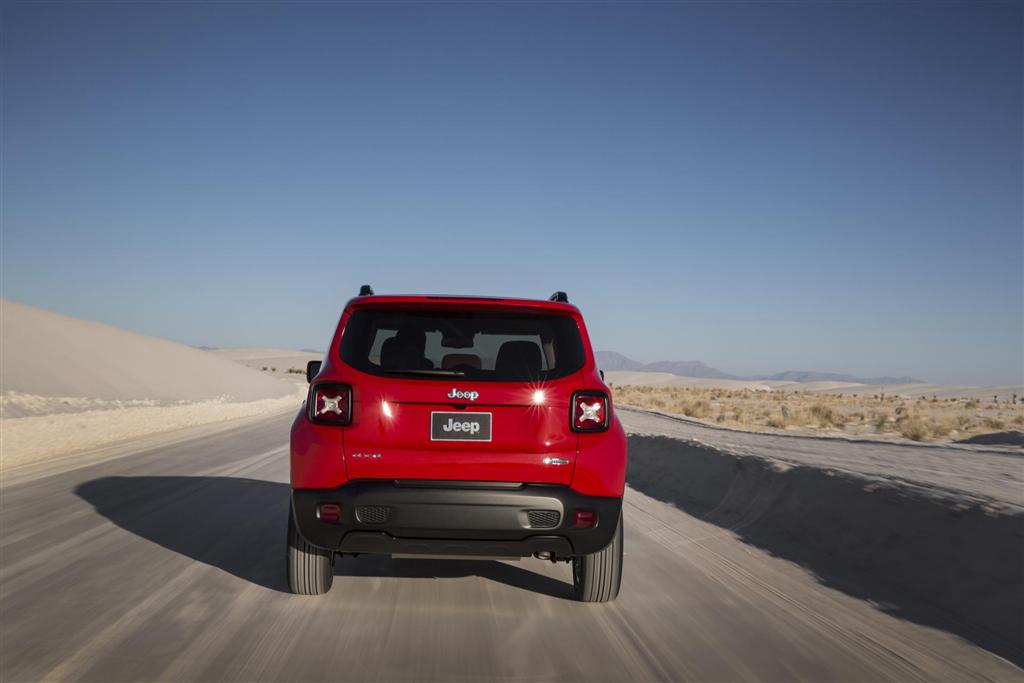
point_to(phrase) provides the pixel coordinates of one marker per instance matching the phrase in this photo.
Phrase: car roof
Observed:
(457, 300)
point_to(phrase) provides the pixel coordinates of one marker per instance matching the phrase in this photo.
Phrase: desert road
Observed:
(165, 561)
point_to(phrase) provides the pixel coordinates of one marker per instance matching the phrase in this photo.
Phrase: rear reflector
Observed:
(328, 512)
(585, 519)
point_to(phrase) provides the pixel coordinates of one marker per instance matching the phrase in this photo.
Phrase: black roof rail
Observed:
(365, 290)
(560, 297)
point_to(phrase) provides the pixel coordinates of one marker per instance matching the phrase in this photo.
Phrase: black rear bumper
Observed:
(456, 518)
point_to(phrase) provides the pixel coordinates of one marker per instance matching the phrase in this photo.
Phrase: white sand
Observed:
(663, 379)
(47, 354)
(70, 385)
(29, 439)
(277, 361)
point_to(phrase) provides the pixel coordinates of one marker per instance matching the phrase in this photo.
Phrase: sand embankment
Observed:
(69, 384)
(948, 558)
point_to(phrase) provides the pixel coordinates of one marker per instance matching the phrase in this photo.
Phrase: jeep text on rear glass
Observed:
(459, 426)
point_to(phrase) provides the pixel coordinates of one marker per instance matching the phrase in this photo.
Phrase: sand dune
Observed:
(52, 355)
(71, 385)
(662, 379)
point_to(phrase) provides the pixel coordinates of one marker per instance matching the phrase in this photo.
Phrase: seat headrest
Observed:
(392, 352)
(519, 359)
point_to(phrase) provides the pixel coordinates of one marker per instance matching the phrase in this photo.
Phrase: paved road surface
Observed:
(167, 564)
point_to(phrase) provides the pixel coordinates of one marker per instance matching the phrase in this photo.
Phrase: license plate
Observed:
(446, 426)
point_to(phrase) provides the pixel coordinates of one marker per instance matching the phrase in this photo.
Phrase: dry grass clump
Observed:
(913, 428)
(827, 417)
(919, 419)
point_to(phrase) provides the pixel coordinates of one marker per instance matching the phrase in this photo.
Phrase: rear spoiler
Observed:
(558, 297)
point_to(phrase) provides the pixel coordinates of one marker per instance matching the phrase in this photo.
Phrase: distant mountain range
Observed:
(612, 361)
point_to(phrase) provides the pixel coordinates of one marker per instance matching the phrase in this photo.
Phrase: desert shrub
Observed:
(264, 368)
(822, 413)
(698, 409)
(796, 409)
(994, 423)
(827, 417)
(913, 428)
(939, 428)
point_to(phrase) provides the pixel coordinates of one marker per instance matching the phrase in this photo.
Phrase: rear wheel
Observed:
(310, 569)
(596, 577)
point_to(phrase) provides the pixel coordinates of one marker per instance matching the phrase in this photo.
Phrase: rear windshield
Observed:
(497, 347)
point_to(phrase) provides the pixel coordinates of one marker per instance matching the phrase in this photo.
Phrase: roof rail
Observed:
(560, 297)
(365, 290)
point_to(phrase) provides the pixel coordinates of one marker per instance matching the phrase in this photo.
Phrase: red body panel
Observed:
(379, 445)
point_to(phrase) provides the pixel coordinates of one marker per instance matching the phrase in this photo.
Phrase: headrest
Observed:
(518, 359)
(392, 352)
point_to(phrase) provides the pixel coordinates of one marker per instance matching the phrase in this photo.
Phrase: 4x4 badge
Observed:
(458, 393)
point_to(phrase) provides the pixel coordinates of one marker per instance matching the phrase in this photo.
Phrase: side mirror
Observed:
(313, 369)
(602, 374)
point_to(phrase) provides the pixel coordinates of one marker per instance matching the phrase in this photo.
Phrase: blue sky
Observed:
(762, 186)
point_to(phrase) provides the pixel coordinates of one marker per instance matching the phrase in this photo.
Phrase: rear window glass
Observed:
(498, 347)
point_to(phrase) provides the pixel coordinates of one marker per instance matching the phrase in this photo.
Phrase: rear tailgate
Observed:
(461, 430)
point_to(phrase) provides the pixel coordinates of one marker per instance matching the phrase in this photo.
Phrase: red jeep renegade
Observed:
(464, 426)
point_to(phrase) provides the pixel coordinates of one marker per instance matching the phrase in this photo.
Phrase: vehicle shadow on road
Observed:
(235, 524)
(429, 568)
(239, 525)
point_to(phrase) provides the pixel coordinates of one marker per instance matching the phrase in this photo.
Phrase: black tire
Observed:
(310, 569)
(597, 577)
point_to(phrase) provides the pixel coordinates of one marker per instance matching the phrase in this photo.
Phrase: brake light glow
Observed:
(589, 411)
(330, 404)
